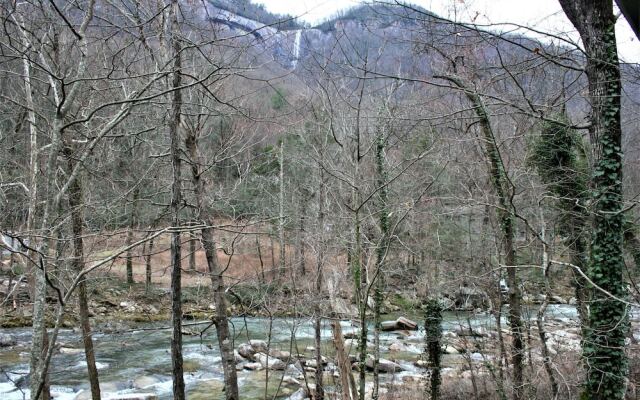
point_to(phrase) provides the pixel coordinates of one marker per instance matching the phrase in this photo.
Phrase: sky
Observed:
(543, 15)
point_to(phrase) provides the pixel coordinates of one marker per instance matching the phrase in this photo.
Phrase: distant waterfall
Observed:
(296, 48)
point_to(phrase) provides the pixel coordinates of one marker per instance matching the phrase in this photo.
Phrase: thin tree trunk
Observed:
(176, 202)
(319, 268)
(381, 251)
(77, 223)
(262, 277)
(546, 357)
(301, 243)
(281, 261)
(499, 181)
(192, 254)
(147, 280)
(225, 340)
(221, 319)
(132, 223)
(347, 383)
(39, 286)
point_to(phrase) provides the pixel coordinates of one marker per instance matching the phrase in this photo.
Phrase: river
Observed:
(136, 358)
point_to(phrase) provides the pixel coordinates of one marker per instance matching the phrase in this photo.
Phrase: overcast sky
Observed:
(543, 15)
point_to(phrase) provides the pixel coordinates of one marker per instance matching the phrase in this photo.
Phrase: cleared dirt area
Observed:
(237, 255)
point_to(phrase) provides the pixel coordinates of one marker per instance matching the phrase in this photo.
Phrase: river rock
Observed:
(388, 326)
(290, 380)
(7, 340)
(247, 351)
(401, 324)
(280, 355)
(384, 365)
(421, 363)
(128, 306)
(294, 369)
(300, 394)
(143, 382)
(252, 366)
(107, 389)
(236, 356)
(407, 324)
(270, 362)
(133, 396)
(311, 363)
(448, 349)
(396, 346)
(70, 350)
(260, 346)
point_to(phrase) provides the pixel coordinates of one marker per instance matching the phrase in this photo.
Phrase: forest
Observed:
(202, 199)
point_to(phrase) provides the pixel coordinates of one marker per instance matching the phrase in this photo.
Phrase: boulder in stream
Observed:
(300, 394)
(247, 351)
(252, 366)
(401, 324)
(270, 362)
(384, 365)
(280, 355)
(260, 346)
(7, 340)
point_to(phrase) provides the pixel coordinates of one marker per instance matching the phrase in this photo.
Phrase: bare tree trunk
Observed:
(347, 383)
(39, 285)
(319, 268)
(221, 320)
(192, 254)
(132, 223)
(381, 251)
(147, 281)
(546, 357)
(301, 244)
(281, 261)
(77, 222)
(499, 181)
(262, 277)
(176, 202)
(225, 340)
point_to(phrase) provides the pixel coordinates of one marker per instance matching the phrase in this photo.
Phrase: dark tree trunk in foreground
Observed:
(176, 200)
(603, 348)
(433, 336)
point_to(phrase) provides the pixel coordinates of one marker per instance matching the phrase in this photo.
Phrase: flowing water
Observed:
(296, 48)
(137, 359)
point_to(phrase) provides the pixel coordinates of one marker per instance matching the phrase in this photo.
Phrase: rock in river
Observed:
(7, 340)
(400, 324)
(270, 362)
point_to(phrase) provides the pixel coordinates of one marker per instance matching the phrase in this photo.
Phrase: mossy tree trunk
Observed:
(504, 211)
(381, 252)
(603, 349)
